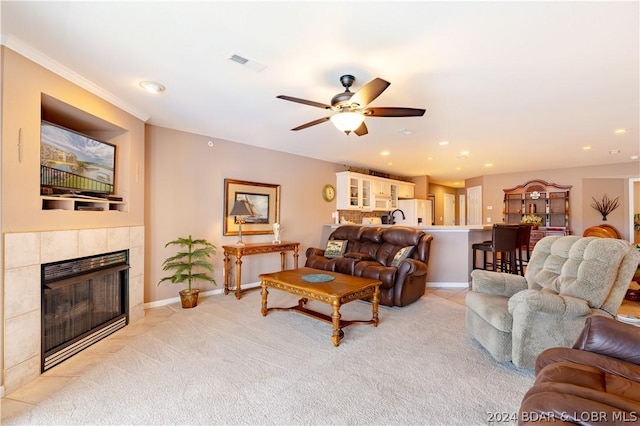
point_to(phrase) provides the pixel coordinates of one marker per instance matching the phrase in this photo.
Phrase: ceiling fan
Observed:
(351, 107)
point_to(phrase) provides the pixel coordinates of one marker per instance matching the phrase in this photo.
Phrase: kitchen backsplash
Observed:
(356, 216)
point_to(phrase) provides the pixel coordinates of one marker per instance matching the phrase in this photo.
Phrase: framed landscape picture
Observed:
(264, 199)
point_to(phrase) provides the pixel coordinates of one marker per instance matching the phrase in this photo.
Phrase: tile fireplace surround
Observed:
(24, 254)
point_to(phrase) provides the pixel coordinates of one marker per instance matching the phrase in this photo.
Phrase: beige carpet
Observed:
(223, 363)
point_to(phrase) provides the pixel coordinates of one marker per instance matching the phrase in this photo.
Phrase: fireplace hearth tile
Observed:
(24, 331)
(92, 242)
(21, 290)
(21, 374)
(58, 245)
(21, 249)
(117, 239)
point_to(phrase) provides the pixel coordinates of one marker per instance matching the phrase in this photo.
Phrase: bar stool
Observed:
(503, 247)
(524, 235)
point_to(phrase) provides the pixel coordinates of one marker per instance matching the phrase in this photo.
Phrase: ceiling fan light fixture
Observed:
(347, 121)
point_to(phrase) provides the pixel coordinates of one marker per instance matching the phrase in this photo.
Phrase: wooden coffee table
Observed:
(342, 289)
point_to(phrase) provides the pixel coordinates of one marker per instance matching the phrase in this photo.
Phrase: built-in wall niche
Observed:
(62, 114)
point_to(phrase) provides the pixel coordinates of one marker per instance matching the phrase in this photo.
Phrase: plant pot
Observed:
(189, 298)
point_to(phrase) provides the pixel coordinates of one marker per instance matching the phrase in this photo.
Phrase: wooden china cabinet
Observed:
(549, 201)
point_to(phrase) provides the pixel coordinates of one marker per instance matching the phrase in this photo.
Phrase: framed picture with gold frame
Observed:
(265, 202)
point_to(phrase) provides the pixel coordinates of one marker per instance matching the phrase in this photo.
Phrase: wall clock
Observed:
(328, 192)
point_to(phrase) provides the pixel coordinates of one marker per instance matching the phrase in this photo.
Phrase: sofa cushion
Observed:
(492, 308)
(376, 271)
(395, 239)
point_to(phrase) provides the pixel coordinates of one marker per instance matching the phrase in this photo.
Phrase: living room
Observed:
(172, 181)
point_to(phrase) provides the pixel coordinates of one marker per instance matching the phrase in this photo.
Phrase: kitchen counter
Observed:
(451, 258)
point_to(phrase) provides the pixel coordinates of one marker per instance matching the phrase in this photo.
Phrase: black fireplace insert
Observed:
(83, 301)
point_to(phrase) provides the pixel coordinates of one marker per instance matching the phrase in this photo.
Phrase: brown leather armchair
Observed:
(597, 381)
(370, 253)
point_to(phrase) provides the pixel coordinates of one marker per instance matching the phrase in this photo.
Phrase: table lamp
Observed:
(241, 208)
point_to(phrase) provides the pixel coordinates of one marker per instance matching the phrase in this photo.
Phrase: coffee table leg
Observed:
(337, 332)
(374, 306)
(264, 294)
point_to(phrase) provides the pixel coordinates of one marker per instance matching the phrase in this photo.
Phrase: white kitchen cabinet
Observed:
(405, 190)
(382, 188)
(354, 191)
(393, 204)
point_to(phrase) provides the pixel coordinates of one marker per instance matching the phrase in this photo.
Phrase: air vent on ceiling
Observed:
(249, 63)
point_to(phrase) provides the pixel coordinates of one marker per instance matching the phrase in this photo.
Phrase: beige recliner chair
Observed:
(568, 279)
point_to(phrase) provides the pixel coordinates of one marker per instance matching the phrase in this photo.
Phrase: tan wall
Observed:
(586, 182)
(185, 195)
(24, 82)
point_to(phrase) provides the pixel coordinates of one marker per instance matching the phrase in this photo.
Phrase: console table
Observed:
(249, 249)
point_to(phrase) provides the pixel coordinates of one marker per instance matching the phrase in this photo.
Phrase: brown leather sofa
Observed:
(369, 253)
(597, 382)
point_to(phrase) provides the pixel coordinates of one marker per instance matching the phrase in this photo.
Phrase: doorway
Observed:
(449, 209)
(474, 203)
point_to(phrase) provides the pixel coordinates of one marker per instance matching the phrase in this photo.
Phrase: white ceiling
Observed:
(521, 85)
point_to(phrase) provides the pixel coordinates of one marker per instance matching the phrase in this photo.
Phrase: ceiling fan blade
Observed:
(362, 130)
(311, 123)
(369, 92)
(394, 112)
(304, 101)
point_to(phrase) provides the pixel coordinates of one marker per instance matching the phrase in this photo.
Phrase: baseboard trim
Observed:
(164, 302)
(436, 284)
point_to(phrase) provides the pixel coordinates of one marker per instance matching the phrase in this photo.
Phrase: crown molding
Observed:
(43, 60)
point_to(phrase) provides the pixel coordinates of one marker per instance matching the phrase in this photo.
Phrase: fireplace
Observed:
(83, 301)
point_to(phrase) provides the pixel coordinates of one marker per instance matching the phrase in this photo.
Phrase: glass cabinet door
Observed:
(354, 192)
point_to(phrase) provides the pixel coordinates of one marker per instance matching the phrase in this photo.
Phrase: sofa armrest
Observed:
(412, 267)
(312, 251)
(549, 303)
(497, 283)
(609, 337)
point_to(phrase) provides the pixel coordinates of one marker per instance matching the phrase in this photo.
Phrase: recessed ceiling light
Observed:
(586, 147)
(620, 131)
(488, 164)
(458, 168)
(390, 164)
(443, 143)
(429, 158)
(385, 153)
(406, 131)
(635, 157)
(152, 86)
(614, 151)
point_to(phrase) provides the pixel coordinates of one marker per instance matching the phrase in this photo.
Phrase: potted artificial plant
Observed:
(188, 266)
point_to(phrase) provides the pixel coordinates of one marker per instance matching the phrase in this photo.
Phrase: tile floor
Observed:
(33, 393)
